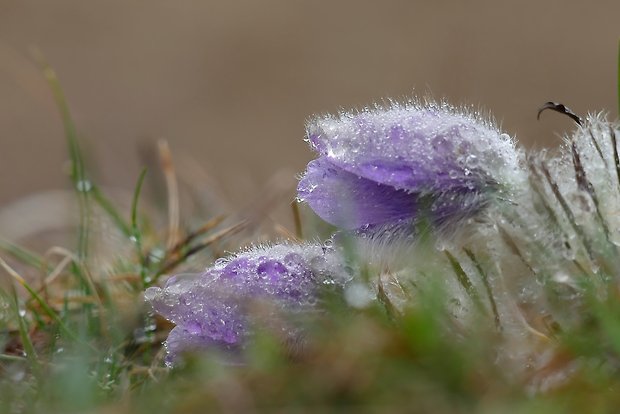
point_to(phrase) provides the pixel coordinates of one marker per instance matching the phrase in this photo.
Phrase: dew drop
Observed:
(83, 186)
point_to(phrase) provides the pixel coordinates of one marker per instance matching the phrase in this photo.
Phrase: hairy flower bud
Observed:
(396, 165)
(212, 308)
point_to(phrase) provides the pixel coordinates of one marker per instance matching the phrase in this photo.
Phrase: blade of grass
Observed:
(167, 166)
(285, 233)
(195, 249)
(135, 228)
(46, 308)
(29, 350)
(81, 184)
(24, 255)
(50, 312)
(5, 357)
(110, 210)
(209, 225)
(297, 219)
(134, 204)
(51, 276)
(79, 270)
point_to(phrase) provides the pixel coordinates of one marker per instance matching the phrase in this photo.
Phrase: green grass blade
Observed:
(134, 203)
(135, 228)
(81, 184)
(14, 358)
(49, 311)
(24, 255)
(109, 208)
(77, 163)
(31, 353)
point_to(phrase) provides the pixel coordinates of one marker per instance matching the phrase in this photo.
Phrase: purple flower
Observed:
(210, 309)
(392, 166)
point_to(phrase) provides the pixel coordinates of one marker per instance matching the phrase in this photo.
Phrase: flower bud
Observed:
(397, 165)
(212, 308)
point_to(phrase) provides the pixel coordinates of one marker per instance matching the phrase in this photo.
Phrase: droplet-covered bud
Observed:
(211, 308)
(392, 166)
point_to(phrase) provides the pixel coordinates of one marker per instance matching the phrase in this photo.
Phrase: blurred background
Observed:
(230, 84)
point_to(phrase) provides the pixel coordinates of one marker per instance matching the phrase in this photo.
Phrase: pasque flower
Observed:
(394, 165)
(211, 309)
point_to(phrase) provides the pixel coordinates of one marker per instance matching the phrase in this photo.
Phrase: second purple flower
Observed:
(212, 309)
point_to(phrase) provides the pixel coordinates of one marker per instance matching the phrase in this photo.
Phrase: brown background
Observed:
(231, 83)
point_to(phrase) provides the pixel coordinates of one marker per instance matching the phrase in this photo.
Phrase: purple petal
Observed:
(348, 201)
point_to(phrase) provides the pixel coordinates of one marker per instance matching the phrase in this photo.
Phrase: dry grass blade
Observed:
(74, 300)
(284, 232)
(297, 219)
(167, 166)
(208, 226)
(168, 266)
(67, 257)
(126, 277)
(12, 272)
(51, 277)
